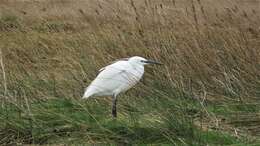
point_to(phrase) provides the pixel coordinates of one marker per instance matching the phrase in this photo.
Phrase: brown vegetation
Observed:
(53, 48)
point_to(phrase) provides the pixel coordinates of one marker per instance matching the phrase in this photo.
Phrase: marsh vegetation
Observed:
(207, 92)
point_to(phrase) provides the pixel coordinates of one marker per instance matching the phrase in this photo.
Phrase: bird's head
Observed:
(142, 61)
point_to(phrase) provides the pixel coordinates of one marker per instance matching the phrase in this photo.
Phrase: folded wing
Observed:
(113, 79)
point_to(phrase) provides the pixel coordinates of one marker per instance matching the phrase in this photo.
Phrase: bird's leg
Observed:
(114, 114)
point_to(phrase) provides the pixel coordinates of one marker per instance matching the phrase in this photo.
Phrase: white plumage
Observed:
(117, 77)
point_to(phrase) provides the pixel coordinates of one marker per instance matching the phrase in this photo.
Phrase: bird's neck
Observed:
(137, 66)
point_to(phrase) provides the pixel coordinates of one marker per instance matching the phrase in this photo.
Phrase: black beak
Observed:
(153, 62)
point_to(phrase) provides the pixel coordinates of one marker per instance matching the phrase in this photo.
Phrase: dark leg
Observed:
(114, 114)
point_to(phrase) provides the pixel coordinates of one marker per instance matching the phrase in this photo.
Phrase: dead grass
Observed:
(211, 49)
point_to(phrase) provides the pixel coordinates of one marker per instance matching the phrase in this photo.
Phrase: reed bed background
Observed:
(206, 93)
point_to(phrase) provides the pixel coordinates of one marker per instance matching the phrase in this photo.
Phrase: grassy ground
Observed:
(207, 93)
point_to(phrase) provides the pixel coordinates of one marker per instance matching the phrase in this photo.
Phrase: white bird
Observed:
(117, 77)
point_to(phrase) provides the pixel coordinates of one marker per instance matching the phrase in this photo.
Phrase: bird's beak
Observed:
(153, 62)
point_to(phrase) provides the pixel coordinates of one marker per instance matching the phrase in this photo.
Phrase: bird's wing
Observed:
(113, 69)
(112, 79)
(122, 59)
(118, 60)
(101, 69)
(121, 73)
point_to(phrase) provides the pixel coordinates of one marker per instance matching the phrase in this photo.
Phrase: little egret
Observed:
(117, 77)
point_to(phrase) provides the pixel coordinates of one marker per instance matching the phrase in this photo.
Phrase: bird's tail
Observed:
(87, 93)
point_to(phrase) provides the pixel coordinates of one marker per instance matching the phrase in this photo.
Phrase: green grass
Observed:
(73, 121)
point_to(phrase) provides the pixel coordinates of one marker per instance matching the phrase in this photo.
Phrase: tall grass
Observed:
(51, 50)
